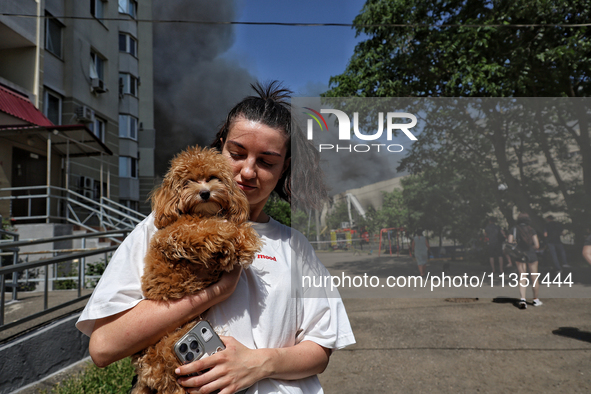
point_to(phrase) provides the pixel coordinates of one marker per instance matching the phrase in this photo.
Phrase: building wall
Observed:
(372, 195)
(32, 68)
(147, 133)
(368, 196)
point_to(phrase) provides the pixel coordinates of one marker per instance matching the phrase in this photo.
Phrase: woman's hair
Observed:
(525, 231)
(270, 106)
(523, 218)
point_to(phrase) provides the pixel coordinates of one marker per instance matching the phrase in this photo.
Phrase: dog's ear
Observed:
(165, 204)
(239, 208)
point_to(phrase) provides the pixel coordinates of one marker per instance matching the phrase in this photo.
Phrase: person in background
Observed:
(587, 247)
(505, 255)
(527, 242)
(552, 233)
(495, 243)
(420, 248)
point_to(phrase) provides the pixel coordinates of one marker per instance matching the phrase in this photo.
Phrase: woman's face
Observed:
(257, 155)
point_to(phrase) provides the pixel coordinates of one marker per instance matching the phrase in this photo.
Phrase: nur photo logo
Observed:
(393, 122)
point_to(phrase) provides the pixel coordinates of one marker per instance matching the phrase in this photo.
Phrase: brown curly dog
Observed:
(201, 216)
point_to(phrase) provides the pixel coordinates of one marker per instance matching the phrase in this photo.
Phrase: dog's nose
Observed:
(204, 194)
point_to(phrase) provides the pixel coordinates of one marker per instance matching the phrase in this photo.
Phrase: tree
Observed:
(393, 213)
(338, 215)
(448, 203)
(278, 209)
(478, 48)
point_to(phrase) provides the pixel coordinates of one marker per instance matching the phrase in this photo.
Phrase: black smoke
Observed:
(194, 87)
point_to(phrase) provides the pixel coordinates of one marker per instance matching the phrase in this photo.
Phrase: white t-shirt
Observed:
(269, 308)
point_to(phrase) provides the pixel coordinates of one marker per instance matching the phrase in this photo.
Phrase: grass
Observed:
(114, 379)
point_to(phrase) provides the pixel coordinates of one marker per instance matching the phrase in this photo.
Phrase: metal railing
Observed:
(16, 267)
(64, 204)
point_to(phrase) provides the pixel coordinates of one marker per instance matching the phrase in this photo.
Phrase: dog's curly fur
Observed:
(202, 232)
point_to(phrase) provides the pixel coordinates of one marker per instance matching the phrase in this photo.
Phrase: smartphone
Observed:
(201, 341)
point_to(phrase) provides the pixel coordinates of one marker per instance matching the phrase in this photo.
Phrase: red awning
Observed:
(20, 107)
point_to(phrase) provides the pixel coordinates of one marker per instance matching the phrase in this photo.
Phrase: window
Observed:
(98, 128)
(127, 44)
(128, 7)
(127, 127)
(97, 8)
(97, 73)
(53, 35)
(128, 167)
(127, 84)
(52, 107)
(97, 66)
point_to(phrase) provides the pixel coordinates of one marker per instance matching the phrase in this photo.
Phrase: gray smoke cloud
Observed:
(194, 88)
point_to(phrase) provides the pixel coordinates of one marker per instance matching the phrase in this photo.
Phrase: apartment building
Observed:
(86, 67)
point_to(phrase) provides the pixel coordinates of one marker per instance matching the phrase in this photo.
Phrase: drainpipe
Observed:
(48, 200)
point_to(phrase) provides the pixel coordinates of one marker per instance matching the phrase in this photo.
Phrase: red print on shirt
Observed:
(263, 256)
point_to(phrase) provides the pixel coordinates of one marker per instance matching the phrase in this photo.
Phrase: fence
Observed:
(13, 248)
(66, 205)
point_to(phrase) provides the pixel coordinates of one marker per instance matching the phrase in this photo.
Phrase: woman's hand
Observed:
(223, 288)
(233, 369)
(238, 367)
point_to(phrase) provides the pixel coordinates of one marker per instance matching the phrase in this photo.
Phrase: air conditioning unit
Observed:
(85, 114)
(98, 85)
(89, 194)
(88, 183)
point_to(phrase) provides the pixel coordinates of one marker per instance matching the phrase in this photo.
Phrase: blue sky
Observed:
(303, 57)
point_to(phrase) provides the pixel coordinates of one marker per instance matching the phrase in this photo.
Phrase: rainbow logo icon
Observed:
(316, 115)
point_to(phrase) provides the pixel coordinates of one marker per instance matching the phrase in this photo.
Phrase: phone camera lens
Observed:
(189, 356)
(194, 345)
(183, 348)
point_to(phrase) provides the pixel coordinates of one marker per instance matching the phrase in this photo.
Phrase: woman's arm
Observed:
(238, 367)
(121, 335)
(587, 253)
(536, 241)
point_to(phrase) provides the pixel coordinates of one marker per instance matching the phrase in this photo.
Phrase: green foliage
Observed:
(446, 203)
(278, 209)
(338, 215)
(304, 222)
(67, 284)
(7, 226)
(483, 48)
(114, 379)
(464, 48)
(96, 269)
(394, 213)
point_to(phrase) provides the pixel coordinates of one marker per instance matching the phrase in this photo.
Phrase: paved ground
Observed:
(28, 303)
(480, 343)
(487, 346)
(450, 344)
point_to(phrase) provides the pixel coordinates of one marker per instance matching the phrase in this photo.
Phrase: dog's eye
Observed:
(211, 178)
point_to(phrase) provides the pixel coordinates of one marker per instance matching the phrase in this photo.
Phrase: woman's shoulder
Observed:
(283, 235)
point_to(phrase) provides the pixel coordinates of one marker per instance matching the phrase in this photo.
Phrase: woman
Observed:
(527, 241)
(276, 340)
(420, 248)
